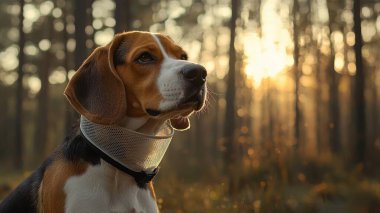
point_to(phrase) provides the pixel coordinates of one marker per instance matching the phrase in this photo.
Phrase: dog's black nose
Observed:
(195, 74)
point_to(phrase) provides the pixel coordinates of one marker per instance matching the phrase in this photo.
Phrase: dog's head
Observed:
(138, 74)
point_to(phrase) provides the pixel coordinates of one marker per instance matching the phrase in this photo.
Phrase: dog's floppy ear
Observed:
(180, 123)
(96, 90)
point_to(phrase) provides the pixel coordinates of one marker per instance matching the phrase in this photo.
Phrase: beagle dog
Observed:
(141, 82)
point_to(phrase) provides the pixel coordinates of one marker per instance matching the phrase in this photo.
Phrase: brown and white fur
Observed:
(138, 81)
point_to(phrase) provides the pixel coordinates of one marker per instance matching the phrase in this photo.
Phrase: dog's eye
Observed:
(145, 58)
(184, 56)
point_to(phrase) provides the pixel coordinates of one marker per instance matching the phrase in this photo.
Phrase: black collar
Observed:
(141, 178)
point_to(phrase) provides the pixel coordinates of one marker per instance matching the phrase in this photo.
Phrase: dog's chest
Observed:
(104, 189)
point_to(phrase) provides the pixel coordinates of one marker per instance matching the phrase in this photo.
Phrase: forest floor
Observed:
(355, 195)
(336, 192)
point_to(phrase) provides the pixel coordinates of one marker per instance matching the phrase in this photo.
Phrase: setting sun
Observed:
(268, 55)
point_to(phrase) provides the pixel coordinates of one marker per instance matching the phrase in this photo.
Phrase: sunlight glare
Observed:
(266, 57)
(102, 37)
(222, 61)
(70, 74)
(13, 34)
(177, 11)
(223, 11)
(31, 13)
(97, 24)
(46, 7)
(34, 84)
(263, 60)
(351, 68)
(193, 49)
(58, 76)
(31, 50)
(368, 30)
(59, 26)
(57, 12)
(44, 44)
(8, 78)
(8, 58)
(350, 39)
(110, 22)
(339, 62)
(13, 9)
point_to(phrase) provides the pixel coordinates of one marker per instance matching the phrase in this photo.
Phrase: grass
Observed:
(313, 186)
(9, 181)
(351, 196)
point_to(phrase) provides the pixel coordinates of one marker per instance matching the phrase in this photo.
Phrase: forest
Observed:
(292, 119)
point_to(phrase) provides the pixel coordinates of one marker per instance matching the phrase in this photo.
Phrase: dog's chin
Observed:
(180, 110)
(186, 106)
(196, 100)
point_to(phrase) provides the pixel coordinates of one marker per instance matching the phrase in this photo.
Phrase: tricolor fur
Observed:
(138, 81)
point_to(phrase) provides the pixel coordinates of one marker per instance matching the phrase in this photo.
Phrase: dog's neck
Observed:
(142, 124)
(133, 123)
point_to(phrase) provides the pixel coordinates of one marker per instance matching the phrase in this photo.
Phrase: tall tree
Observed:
(70, 116)
(333, 80)
(318, 98)
(360, 119)
(41, 134)
(296, 53)
(20, 90)
(123, 16)
(217, 120)
(83, 19)
(334, 124)
(318, 77)
(231, 93)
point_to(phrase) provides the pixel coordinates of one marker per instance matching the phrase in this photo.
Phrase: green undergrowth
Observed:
(310, 187)
(307, 186)
(357, 196)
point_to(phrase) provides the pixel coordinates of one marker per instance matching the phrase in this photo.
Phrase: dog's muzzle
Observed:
(195, 77)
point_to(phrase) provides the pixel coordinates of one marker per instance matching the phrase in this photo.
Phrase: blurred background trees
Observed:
(291, 122)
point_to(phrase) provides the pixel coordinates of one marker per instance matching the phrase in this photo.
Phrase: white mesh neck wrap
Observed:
(134, 150)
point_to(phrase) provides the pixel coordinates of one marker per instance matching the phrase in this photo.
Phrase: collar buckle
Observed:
(143, 178)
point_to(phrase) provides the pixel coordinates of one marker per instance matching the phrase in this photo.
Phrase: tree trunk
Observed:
(360, 119)
(229, 132)
(69, 113)
(318, 101)
(297, 118)
(123, 16)
(83, 17)
(20, 91)
(42, 129)
(217, 110)
(334, 139)
(333, 82)
(230, 93)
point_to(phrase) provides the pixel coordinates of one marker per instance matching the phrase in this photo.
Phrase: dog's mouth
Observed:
(153, 112)
(194, 101)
